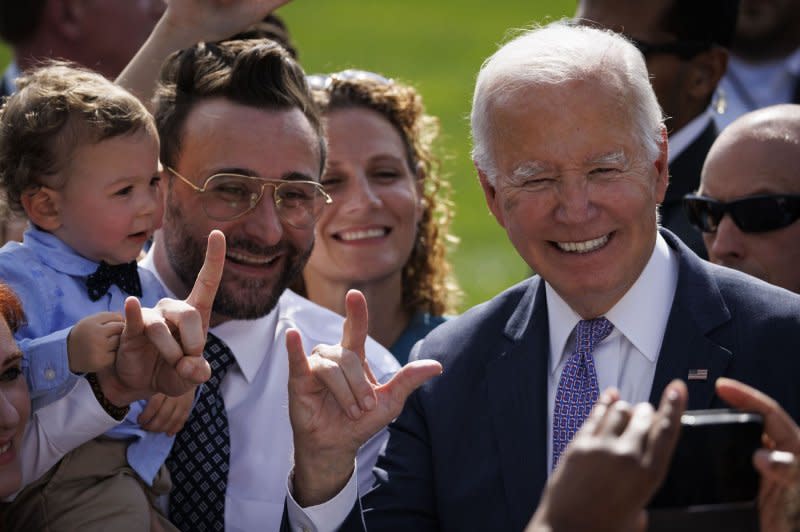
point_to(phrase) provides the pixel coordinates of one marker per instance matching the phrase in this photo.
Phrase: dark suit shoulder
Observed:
(753, 299)
(482, 326)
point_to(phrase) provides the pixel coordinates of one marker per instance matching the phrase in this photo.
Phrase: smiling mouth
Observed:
(365, 234)
(250, 260)
(586, 246)
(5, 448)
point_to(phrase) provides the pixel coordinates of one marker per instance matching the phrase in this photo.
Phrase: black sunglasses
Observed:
(684, 49)
(753, 214)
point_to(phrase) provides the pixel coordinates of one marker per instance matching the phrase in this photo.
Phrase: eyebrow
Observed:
(617, 157)
(130, 179)
(12, 358)
(528, 169)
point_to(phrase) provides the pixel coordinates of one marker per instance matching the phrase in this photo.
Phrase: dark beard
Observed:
(241, 299)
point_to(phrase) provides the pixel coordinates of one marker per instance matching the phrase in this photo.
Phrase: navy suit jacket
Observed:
(469, 451)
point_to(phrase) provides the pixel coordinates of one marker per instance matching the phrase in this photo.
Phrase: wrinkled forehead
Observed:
(592, 113)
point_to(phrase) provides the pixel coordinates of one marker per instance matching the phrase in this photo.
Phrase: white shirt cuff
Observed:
(325, 517)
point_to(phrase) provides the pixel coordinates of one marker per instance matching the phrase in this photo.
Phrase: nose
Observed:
(726, 243)
(149, 206)
(574, 202)
(263, 223)
(151, 200)
(360, 194)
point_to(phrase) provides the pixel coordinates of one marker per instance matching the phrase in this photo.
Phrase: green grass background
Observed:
(438, 46)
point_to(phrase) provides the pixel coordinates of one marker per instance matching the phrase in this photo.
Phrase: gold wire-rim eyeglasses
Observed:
(283, 210)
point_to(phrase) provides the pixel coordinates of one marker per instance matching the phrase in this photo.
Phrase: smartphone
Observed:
(713, 462)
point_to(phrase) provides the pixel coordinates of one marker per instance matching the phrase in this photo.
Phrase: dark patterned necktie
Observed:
(125, 276)
(577, 388)
(199, 460)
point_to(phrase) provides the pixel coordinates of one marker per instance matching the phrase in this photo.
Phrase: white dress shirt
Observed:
(256, 400)
(626, 359)
(59, 427)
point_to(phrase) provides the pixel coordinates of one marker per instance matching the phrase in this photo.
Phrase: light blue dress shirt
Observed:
(50, 280)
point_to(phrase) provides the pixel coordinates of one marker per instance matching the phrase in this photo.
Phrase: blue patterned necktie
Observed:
(577, 388)
(199, 460)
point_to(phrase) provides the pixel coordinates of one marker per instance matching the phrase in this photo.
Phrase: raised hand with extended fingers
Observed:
(183, 24)
(614, 465)
(336, 405)
(161, 349)
(213, 20)
(778, 462)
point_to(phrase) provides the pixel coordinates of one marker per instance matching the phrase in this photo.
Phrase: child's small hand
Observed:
(92, 343)
(167, 414)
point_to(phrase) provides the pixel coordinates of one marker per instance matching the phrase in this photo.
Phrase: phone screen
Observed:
(713, 462)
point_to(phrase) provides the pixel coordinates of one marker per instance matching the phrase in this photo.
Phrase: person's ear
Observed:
(492, 197)
(707, 69)
(662, 166)
(41, 206)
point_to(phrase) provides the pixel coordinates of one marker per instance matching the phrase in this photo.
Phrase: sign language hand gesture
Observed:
(336, 405)
(161, 349)
(778, 462)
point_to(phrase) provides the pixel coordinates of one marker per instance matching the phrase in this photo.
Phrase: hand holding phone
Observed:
(713, 463)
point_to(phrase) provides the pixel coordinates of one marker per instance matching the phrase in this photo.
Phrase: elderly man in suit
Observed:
(572, 153)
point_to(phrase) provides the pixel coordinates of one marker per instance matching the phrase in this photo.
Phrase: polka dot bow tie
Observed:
(125, 276)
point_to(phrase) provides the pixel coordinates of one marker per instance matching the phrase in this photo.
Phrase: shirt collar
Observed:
(249, 340)
(640, 316)
(683, 138)
(55, 254)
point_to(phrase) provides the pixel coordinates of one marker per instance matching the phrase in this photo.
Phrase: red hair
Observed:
(11, 308)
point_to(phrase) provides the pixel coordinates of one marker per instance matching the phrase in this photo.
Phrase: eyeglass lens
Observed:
(230, 196)
(755, 214)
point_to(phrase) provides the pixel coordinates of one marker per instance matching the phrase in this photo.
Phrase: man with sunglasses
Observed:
(748, 203)
(684, 45)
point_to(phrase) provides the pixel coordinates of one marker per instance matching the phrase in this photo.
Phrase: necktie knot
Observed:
(219, 357)
(589, 333)
(125, 276)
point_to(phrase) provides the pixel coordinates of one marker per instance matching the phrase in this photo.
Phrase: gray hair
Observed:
(554, 54)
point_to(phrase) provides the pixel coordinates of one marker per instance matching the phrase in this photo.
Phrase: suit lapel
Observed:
(684, 172)
(517, 386)
(698, 308)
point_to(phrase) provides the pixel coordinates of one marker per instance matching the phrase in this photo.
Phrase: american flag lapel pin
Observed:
(698, 374)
